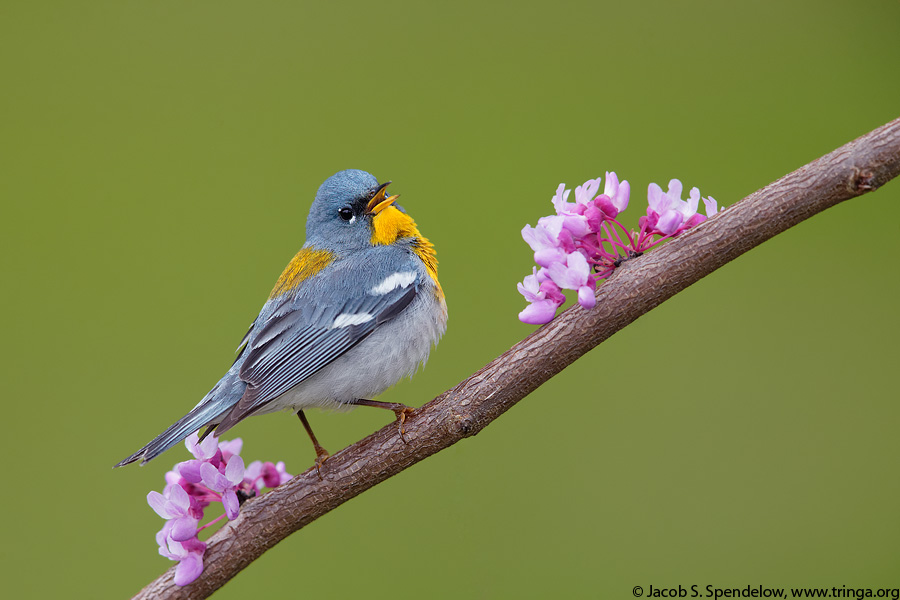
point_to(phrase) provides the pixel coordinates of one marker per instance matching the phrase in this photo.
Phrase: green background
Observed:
(159, 158)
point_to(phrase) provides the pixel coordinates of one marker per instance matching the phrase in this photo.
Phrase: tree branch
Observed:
(636, 287)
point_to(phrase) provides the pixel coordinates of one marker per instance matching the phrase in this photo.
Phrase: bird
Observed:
(355, 311)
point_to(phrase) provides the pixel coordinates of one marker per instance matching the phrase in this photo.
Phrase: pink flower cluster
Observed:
(216, 474)
(584, 243)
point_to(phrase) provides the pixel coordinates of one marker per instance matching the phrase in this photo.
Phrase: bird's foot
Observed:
(321, 456)
(402, 411)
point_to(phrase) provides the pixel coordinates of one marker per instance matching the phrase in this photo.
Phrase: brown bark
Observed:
(637, 286)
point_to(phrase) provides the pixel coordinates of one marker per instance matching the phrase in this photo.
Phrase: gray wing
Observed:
(300, 337)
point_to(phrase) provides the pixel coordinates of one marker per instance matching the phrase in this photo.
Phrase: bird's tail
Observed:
(209, 412)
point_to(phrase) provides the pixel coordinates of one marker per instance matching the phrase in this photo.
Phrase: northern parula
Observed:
(357, 309)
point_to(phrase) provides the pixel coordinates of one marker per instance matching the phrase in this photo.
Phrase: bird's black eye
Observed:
(346, 213)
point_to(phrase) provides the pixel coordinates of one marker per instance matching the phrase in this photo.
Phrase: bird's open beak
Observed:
(378, 202)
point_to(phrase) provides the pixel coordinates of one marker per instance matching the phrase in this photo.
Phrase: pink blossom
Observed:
(230, 447)
(583, 242)
(613, 200)
(202, 450)
(617, 192)
(216, 474)
(275, 474)
(259, 474)
(188, 553)
(575, 275)
(583, 195)
(560, 201)
(225, 483)
(668, 214)
(544, 299)
(586, 192)
(174, 504)
(662, 206)
(544, 240)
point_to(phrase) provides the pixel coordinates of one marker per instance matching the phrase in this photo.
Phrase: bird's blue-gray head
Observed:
(343, 213)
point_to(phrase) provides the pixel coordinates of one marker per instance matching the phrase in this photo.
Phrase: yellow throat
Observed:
(390, 224)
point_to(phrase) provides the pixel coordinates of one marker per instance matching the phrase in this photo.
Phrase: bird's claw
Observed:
(321, 456)
(402, 413)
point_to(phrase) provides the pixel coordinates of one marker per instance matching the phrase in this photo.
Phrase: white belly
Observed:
(393, 351)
